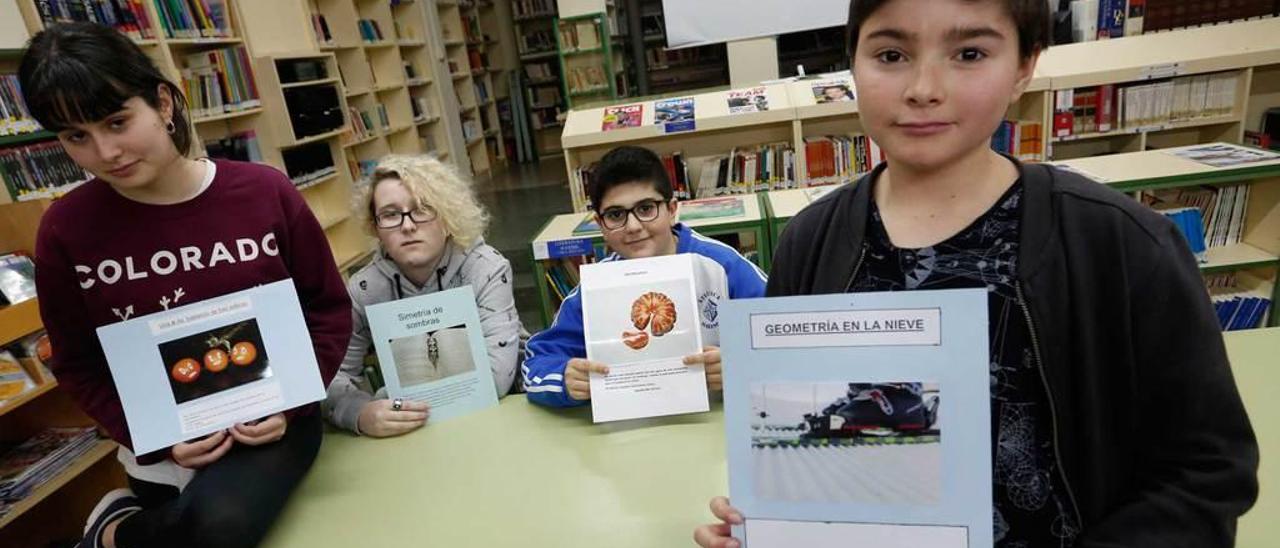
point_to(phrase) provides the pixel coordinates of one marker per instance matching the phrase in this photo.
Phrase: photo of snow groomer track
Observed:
(847, 442)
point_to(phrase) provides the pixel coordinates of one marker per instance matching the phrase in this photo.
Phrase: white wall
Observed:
(570, 8)
(698, 22)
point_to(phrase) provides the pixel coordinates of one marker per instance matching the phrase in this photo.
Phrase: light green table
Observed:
(521, 475)
(517, 475)
(1253, 355)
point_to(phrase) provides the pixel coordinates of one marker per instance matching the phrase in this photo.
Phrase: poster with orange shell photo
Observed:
(192, 370)
(641, 317)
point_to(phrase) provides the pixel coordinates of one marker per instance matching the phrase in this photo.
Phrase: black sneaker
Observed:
(883, 408)
(115, 505)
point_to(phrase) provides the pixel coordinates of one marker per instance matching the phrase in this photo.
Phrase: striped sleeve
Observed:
(549, 352)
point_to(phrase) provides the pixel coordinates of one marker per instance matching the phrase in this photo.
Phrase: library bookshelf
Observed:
(1246, 267)
(275, 71)
(1238, 52)
(56, 509)
(469, 54)
(534, 24)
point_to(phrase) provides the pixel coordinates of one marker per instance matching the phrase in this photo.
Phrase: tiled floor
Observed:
(520, 199)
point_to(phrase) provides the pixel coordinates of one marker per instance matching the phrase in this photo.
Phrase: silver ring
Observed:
(397, 404)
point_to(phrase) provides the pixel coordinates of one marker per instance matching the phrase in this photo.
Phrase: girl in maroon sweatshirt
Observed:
(155, 229)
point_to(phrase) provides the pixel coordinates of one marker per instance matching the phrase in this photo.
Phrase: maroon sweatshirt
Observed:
(103, 258)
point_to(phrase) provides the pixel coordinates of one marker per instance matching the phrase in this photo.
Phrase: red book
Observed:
(1106, 110)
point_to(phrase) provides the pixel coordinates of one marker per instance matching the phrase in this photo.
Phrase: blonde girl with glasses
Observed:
(430, 230)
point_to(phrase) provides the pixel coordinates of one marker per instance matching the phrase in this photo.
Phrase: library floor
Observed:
(520, 199)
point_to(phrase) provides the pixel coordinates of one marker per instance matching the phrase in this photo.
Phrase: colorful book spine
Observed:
(41, 170)
(194, 19)
(219, 81)
(15, 119)
(126, 16)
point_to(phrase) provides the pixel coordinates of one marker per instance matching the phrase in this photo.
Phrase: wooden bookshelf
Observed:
(79, 486)
(1256, 258)
(1242, 48)
(1239, 47)
(98, 452)
(466, 33)
(593, 55)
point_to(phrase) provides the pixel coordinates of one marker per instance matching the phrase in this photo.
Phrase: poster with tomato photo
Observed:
(193, 370)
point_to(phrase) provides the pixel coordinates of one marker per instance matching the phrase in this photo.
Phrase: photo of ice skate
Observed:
(872, 442)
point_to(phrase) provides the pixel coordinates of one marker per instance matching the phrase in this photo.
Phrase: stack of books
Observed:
(41, 170)
(14, 117)
(219, 81)
(190, 20)
(126, 16)
(33, 462)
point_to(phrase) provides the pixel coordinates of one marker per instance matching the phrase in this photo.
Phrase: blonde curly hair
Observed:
(432, 183)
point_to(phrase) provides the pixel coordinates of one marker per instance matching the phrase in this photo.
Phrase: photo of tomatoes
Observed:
(243, 353)
(200, 364)
(185, 371)
(216, 360)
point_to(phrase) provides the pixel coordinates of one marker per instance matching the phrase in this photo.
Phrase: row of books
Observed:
(1172, 14)
(526, 8)
(579, 35)
(477, 59)
(481, 90)
(1104, 19)
(1220, 210)
(1191, 224)
(549, 117)
(320, 26)
(1023, 140)
(471, 129)
(748, 169)
(562, 275)
(839, 159)
(540, 71)
(421, 108)
(15, 119)
(536, 41)
(33, 462)
(471, 29)
(220, 81)
(582, 79)
(40, 170)
(361, 169)
(370, 31)
(126, 16)
(23, 363)
(242, 147)
(1111, 107)
(364, 123)
(659, 58)
(1241, 311)
(195, 19)
(543, 97)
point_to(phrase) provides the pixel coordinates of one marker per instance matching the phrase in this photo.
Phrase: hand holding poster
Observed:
(199, 368)
(859, 419)
(641, 317)
(431, 348)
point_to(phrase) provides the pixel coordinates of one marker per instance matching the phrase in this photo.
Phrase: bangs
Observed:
(67, 92)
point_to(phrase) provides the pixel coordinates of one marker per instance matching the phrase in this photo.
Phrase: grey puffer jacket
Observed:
(482, 267)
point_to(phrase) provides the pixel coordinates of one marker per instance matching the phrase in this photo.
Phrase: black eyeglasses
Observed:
(392, 219)
(644, 210)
